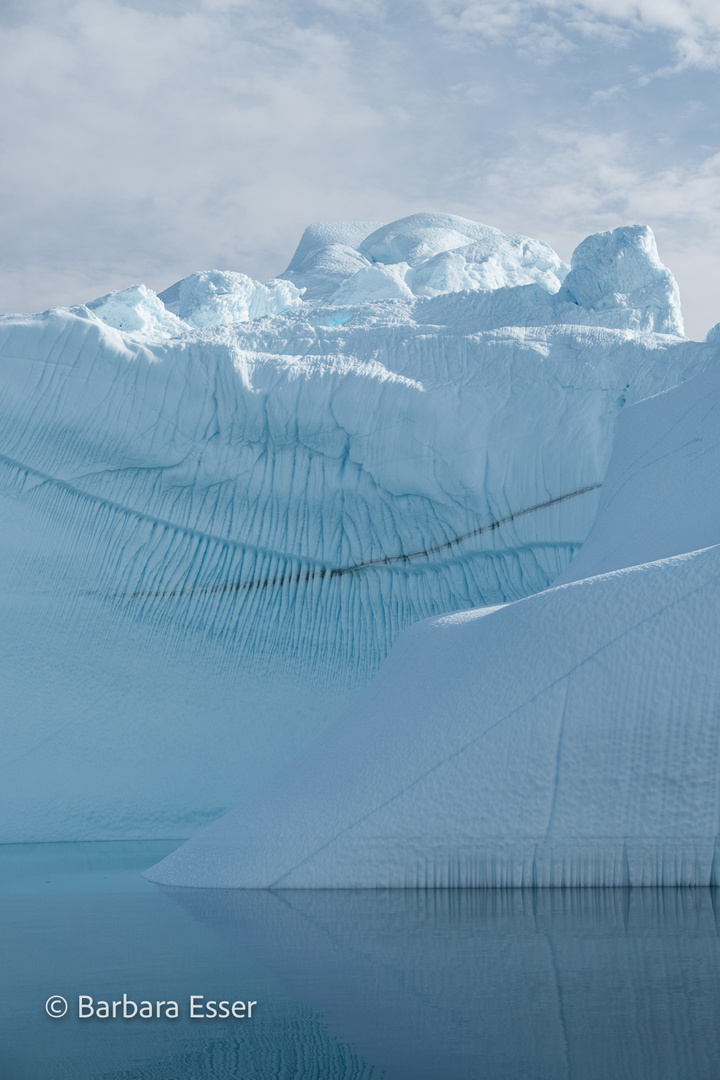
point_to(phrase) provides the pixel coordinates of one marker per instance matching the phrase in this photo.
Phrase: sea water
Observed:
(594, 984)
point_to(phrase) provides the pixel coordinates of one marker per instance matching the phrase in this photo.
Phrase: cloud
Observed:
(553, 25)
(588, 179)
(144, 139)
(147, 138)
(604, 95)
(568, 183)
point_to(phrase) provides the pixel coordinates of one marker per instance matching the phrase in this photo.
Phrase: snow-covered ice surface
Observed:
(219, 511)
(569, 738)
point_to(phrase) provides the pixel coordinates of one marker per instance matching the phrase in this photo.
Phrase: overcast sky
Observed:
(144, 140)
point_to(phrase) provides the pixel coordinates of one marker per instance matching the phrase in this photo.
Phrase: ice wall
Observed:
(220, 511)
(569, 738)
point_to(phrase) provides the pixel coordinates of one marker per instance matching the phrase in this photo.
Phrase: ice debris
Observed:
(137, 310)
(215, 297)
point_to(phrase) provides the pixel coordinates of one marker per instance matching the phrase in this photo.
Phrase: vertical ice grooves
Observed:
(261, 603)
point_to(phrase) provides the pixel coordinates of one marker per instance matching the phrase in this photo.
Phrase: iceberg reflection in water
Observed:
(496, 983)
(354, 985)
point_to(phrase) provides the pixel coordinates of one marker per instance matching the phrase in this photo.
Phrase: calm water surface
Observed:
(593, 984)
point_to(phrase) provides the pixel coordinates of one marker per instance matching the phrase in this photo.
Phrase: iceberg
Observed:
(566, 739)
(223, 504)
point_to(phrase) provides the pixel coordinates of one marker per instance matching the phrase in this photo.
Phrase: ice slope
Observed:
(659, 496)
(570, 738)
(218, 515)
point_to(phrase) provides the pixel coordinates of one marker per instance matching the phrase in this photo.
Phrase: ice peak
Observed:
(215, 297)
(616, 280)
(429, 254)
(621, 270)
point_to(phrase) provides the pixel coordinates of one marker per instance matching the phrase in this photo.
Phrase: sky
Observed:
(145, 139)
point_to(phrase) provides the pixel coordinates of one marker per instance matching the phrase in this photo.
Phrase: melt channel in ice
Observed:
(223, 504)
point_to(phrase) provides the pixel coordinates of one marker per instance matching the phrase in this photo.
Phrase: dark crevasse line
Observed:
(314, 572)
(387, 560)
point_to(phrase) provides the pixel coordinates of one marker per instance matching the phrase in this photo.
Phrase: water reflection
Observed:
(514, 983)
(354, 985)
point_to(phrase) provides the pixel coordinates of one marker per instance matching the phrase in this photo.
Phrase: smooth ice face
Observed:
(570, 738)
(328, 255)
(218, 531)
(658, 494)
